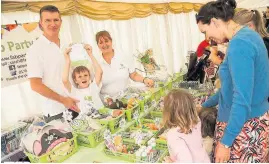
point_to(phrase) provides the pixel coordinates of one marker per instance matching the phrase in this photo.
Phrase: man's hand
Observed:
(70, 103)
(149, 82)
(222, 154)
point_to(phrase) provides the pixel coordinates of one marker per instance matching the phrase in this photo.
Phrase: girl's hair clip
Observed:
(253, 11)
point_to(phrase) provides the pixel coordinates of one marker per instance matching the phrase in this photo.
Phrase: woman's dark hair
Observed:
(208, 118)
(220, 9)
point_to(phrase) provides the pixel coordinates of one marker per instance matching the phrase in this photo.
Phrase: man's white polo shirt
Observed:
(46, 60)
(116, 75)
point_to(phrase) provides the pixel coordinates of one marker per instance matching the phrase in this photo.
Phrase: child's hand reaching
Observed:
(66, 53)
(167, 159)
(88, 48)
(199, 107)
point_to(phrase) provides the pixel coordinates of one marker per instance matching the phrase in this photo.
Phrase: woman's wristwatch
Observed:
(144, 80)
(227, 147)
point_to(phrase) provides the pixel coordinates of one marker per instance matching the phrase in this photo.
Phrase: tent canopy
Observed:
(241, 3)
(119, 9)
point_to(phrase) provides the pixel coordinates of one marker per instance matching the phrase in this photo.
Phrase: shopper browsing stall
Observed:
(184, 137)
(242, 98)
(253, 20)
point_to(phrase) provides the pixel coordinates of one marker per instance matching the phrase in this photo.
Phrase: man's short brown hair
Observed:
(49, 8)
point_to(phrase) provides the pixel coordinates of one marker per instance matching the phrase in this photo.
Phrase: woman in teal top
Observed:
(242, 129)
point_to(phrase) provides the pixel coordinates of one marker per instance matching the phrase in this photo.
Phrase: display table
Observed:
(89, 155)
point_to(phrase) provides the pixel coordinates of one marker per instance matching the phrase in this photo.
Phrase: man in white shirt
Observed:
(45, 66)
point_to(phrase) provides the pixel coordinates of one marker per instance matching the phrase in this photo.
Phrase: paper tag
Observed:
(146, 108)
(121, 94)
(107, 135)
(122, 123)
(135, 114)
(166, 91)
(79, 124)
(110, 145)
(67, 115)
(157, 121)
(88, 104)
(154, 103)
(138, 137)
(150, 157)
(175, 85)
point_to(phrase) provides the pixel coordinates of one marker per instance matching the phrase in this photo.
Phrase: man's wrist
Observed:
(60, 99)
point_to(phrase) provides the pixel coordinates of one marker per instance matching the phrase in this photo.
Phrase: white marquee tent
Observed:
(170, 35)
(241, 3)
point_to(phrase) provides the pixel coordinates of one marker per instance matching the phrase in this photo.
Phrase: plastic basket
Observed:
(161, 159)
(176, 80)
(161, 144)
(146, 103)
(144, 141)
(121, 156)
(91, 139)
(178, 76)
(58, 154)
(162, 152)
(130, 112)
(157, 94)
(143, 121)
(154, 114)
(167, 87)
(114, 123)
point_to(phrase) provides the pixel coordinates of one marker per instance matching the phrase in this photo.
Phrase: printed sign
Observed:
(14, 46)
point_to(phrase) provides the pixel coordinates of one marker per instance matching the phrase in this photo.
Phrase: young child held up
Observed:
(85, 90)
(184, 138)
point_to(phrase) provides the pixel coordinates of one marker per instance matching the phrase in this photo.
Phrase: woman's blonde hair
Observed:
(179, 111)
(245, 16)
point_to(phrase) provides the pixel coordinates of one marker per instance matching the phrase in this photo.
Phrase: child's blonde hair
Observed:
(179, 111)
(245, 16)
